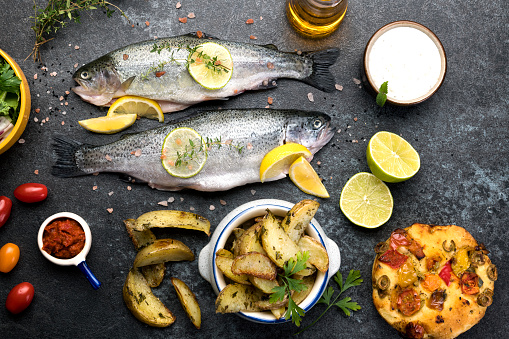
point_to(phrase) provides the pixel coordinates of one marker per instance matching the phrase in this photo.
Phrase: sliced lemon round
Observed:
(108, 124)
(211, 65)
(279, 159)
(184, 153)
(391, 158)
(304, 177)
(143, 107)
(366, 200)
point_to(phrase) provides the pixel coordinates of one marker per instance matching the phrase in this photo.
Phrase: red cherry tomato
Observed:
(9, 256)
(31, 192)
(5, 209)
(20, 297)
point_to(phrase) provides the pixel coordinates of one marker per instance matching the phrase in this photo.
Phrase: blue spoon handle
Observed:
(90, 276)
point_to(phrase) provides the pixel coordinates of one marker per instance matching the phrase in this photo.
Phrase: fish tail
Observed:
(66, 166)
(321, 77)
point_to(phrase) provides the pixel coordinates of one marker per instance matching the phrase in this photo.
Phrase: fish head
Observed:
(98, 81)
(310, 129)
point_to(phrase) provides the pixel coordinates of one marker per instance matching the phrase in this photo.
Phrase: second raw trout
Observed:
(257, 130)
(162, 75)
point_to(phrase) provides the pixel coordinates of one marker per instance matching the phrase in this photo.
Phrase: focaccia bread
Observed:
(432, 281)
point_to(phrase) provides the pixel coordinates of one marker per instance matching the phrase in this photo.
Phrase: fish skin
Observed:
(130, 71)
(258, 130)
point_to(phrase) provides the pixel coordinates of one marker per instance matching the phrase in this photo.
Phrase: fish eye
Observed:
(317, 123)
(85, 75)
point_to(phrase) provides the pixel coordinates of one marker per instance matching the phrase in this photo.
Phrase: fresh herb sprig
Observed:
(290, 284)
(346, 304)
(381, 97)
(193, 150)
(58, 13)
(211, 62)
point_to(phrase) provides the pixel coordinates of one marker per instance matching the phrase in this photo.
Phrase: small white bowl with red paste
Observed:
(65, 239)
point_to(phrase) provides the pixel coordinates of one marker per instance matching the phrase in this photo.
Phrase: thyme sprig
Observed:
(211, 62)
(193, 150)
(58, 13)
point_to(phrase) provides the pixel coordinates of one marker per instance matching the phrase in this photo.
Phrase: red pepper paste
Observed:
(63, 238)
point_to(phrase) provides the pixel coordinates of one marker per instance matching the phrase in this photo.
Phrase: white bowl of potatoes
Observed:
(251, 244)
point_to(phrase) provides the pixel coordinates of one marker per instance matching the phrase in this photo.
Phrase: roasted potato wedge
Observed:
(264, 285)
(224, 261)
(142, 303)
(188, 301)
(163, 250)
(238, 298)
(154, 274)
(250, 240)
(267, 305)
(298, 218)
(309, 281)
(279, 312)
(169, 218)
(255, 264)
(318, 256)
(140, 239)
(278, 245)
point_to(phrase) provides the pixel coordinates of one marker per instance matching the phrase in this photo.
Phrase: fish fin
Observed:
(126, 84)
(66, 166)
(271, 46)
(321, 77)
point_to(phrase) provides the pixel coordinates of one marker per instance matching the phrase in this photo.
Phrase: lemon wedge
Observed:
(305, 178)
(143, 107)
(211, 65)
(184, 153)
(108, 124)
(366, 200)
(279, 159)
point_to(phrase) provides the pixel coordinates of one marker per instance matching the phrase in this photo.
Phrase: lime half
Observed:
(184, 153)
(391, 158)
(366, 200)
(211, 65)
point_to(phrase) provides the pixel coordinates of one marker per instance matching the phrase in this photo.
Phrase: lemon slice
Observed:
(108, 124)
(366, 200)
(211, 65)
(305, 178)
(184, 153)
(391, 158)
(143, 107)
(279, 159)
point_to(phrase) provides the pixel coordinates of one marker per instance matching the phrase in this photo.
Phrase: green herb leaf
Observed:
(294, 311)
(345, 304)
(278, 294)
(290, 284)
(381, 97)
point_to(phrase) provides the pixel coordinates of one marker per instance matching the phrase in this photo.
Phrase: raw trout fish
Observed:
(139, 155)
(138, 70)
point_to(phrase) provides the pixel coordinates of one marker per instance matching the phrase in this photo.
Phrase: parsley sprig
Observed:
(290, 284)
(346, 304)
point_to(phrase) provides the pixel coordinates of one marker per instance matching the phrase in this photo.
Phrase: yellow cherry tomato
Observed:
(9, 256)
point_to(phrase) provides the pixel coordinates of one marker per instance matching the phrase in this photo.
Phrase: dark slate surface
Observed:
(460, 133)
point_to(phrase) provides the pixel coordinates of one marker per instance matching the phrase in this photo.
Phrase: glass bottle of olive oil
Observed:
(316, 18)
